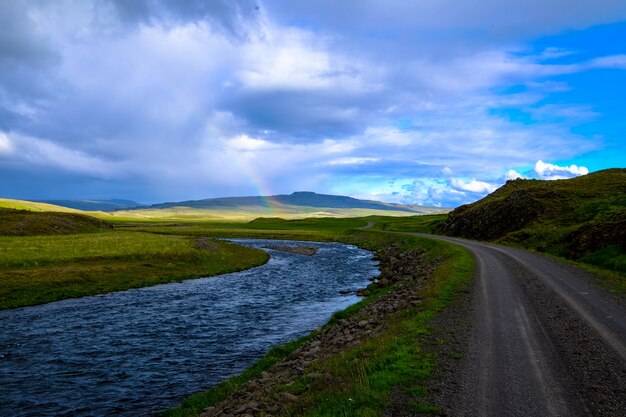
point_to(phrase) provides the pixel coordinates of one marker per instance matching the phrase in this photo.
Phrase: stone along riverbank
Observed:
(271, 394)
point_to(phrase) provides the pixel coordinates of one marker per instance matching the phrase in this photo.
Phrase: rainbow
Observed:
(263, 190)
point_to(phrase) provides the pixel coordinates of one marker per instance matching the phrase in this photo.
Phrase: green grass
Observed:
(365, 376)
(415, 224)
(247, 213)
(325, 229)
(32, 206)
(28, 223)
(40, 269)
(239, 213)
(580, 219)
(29, 251)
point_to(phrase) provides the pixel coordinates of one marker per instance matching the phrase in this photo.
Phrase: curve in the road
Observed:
(545, 341)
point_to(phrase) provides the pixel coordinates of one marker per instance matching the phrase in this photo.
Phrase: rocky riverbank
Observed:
(268, 395)
(298, 250)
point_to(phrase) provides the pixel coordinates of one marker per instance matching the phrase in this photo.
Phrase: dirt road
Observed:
(544, 341)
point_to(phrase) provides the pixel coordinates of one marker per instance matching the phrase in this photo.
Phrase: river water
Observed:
(138, 352)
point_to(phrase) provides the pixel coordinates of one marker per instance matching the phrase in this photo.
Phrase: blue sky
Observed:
(435, 102)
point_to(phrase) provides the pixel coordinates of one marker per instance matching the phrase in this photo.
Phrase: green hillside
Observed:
(33, 206)
(294, 206)
(582, 218)
(94, 205)
(32, 223)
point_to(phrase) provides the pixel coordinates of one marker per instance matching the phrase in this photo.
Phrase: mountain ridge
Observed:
(94, 204)
(297, 198)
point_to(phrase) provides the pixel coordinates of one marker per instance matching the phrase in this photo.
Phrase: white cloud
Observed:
(353, 161)
(473, 186)
(5, 143)
(512, 175)
(549, 171)
(246, 143)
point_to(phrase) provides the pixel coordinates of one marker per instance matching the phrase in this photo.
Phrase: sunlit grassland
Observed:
(242, 213)
(306, 229)
(34, 206)
(247, 213)
(365, 376)
(39, 269)
(41, 250)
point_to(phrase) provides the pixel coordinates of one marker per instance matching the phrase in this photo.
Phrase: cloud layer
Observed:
(404, 101)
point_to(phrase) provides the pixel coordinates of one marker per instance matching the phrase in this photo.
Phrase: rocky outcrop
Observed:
(266, 395)
(495, 217)
(592, 237)
(571, 218)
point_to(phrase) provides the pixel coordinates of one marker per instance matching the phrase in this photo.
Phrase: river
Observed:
(138, 352)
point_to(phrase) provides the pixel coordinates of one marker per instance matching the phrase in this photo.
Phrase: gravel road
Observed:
(544, 341)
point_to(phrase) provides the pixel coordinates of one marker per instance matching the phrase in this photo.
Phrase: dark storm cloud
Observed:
(302, 116)
(228, 15)
(18, 42)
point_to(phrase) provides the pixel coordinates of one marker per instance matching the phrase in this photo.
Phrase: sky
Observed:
(429, 102)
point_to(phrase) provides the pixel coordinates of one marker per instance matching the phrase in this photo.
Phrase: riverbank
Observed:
(153, 346)
(41, 269)
(366, 355)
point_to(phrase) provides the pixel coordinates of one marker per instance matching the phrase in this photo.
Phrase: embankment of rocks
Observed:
(266, 396)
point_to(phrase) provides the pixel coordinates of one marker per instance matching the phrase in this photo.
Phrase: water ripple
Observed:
(140, 351)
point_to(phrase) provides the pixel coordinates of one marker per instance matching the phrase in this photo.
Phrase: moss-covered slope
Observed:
(582, 218)
(31, 223)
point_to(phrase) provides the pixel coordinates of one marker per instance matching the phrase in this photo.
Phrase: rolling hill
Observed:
(582, 218)
(32, 223)
(297, 205)
(34, 206)
(94, 205)
(297, 199)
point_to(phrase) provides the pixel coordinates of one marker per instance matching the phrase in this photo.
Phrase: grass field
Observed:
(40, 269)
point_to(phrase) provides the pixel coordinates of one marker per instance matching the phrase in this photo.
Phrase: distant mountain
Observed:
(94, 205)
(579, 218)
(297, 199)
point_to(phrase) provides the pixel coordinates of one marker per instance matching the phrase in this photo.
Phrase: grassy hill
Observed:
(297, 199)
(582, 218)
(94, 205)
(298, 205)
(34, 206)
(32, 223)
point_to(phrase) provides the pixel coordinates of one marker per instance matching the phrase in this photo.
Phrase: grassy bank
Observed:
(364, 377)
(580, 219)
(40, 269)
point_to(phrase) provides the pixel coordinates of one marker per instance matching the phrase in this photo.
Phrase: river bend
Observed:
(137, 352)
